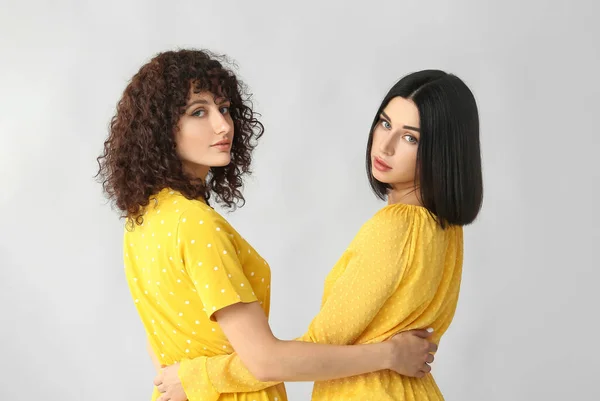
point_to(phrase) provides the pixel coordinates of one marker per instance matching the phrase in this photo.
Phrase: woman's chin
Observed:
(221, 161)
(379, 176)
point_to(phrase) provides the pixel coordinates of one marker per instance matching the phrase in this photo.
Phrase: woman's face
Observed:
(205, 134)
(395, 142)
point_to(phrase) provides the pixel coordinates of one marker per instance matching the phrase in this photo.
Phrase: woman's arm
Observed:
(205, 378)
(261, 356)
(271, 359)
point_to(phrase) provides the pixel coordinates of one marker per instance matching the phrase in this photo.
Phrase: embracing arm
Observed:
(271, 359)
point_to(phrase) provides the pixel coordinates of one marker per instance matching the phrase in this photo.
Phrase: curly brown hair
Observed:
(140, 158)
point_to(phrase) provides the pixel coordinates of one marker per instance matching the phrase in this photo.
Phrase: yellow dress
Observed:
(401, 272)
(184, 263)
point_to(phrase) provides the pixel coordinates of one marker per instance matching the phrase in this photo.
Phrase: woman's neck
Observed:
(409, 196)
(196, 170)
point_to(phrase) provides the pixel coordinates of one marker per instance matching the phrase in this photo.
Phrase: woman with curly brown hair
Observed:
(183, 134)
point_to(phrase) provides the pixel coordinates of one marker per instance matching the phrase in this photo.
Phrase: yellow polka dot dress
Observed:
(184, 263)
(401, 272)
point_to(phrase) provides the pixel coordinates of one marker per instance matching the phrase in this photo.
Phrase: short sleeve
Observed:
(207, 247)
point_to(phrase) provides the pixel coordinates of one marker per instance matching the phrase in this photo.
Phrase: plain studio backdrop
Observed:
(527, 320)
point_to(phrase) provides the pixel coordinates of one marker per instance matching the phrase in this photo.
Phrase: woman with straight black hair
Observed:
(448, 166)
(403, 269)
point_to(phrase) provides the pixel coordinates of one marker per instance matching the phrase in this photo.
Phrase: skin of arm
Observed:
(271, 359)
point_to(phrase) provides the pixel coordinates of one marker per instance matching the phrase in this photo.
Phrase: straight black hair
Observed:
(448, 157)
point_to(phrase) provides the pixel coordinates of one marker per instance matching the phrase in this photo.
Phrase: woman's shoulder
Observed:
(406, 220)
(400, 214)
(402, 224)
(185, 210)
(399, 221)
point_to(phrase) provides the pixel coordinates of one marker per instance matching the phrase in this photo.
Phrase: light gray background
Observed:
(527, 322)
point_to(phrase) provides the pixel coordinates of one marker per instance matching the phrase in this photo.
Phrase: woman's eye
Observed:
(386, 124)
(199, 113)
(225, 109)
(410, 138)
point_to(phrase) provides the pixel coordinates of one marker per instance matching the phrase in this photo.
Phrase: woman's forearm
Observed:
(270, 359)
(302, 361)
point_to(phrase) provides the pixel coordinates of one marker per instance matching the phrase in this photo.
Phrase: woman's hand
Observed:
(168, 383)
(411, 353)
